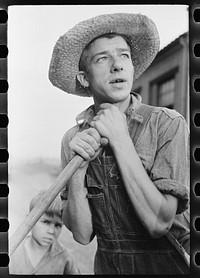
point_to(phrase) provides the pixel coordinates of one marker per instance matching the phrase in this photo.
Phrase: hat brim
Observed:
(140, 31)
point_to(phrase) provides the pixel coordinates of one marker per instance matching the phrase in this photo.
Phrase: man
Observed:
(127, 192)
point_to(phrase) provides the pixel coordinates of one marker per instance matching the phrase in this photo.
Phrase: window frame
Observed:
(156, 83)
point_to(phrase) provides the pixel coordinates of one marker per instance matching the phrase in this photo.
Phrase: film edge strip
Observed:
(4, 224)
(195, 148)
(195, 135)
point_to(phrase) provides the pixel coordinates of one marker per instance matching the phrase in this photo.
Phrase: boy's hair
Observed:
(55, 208)
(84, 55)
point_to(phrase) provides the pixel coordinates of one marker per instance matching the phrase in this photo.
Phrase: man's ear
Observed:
(82, 78)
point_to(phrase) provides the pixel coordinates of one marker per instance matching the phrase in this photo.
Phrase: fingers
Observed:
(83, 149)
(104, 109)
(94, 135)
(86, 143)
(110, 122)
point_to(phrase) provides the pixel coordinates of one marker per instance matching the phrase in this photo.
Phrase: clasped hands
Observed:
(108, 126)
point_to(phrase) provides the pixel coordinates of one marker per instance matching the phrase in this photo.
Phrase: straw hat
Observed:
(140, 31)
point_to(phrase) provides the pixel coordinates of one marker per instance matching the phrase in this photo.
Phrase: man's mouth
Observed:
(117, 81)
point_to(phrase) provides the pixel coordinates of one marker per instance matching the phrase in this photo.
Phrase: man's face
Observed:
(47, 229)
(110, 70)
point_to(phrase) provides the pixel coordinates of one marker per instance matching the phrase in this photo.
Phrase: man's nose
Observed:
(116, 65)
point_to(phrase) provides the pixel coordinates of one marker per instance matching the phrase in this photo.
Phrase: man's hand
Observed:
(110, 122)
(86, 144)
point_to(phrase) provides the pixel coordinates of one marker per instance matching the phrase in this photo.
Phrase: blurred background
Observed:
(39, 114)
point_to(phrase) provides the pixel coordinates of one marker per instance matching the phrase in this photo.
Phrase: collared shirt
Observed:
(57, 260)
(85, 117)
(163, 147)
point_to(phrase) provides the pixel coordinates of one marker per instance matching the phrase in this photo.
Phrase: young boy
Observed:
(41, 253)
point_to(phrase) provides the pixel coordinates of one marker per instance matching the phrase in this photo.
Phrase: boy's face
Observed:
(110, 70)
(47, 229)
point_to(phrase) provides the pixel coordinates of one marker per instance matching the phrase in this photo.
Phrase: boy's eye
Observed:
(46, 222)
(58, 226)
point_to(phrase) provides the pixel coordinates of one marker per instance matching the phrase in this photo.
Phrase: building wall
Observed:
(171, 62)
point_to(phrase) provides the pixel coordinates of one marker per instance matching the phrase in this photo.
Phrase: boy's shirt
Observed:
(57, 260)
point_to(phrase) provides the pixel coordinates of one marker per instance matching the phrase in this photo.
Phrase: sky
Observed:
(39, 113)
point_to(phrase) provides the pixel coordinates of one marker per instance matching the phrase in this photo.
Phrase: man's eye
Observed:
(101, 59)
(125, 55)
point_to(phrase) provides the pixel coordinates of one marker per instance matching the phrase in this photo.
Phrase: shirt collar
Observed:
(132, 111)
(55, 249)
(86, 116)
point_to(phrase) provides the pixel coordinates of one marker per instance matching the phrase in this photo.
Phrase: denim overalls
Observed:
(124, 246)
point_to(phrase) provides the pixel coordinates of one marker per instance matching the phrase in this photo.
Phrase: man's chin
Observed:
(113, 97)
(120, 95)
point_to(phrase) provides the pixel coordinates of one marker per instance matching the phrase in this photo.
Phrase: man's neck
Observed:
(121, 105)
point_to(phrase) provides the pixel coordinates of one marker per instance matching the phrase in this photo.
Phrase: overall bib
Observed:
(124, 246)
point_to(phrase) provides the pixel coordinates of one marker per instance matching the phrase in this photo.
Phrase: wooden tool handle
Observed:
(43, 203)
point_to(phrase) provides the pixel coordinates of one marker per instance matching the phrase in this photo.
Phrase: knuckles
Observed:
(85, 143)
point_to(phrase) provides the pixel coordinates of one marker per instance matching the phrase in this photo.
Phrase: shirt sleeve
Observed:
(170, 172)
(66, 156)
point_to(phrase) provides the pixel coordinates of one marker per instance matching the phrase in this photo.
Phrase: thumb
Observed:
(104, 141)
